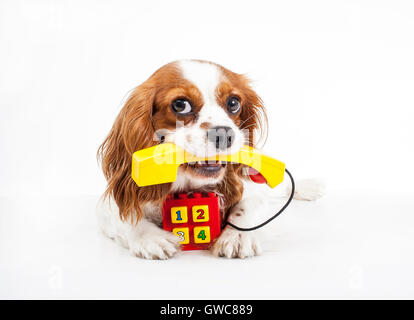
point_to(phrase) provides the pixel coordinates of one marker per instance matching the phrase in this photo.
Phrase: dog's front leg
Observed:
(241, 244)
(144, 239)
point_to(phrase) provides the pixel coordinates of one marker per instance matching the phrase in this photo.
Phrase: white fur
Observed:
(308, 189)
(144, 240)
(206, 77)
(247, 213)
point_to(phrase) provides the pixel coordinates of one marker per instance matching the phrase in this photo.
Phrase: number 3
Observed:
(181, 235)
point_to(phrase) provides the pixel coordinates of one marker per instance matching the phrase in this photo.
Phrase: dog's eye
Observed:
(181, 106)
(233, 105)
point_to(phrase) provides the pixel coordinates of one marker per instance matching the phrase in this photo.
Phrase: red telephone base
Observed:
(194, 217)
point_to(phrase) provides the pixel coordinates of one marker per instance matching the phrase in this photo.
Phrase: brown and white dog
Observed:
(206, 109)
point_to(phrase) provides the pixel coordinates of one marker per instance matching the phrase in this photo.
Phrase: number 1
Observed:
(179, 215)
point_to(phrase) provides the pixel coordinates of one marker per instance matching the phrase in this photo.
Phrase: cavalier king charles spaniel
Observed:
(206, 109)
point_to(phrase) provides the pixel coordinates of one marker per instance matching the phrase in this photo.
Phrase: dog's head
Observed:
(198, 105)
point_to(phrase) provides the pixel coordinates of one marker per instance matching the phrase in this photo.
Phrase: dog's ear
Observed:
(254, 122)
(253, 115)
(133, 130)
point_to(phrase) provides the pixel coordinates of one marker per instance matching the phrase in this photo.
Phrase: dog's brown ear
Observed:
(253, 115)
(133, 130)
(253, 120)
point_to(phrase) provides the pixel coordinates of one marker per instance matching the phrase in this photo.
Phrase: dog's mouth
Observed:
(207, 168)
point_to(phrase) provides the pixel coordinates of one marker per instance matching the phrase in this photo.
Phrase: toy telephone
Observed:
(159, 164)
(195, 217)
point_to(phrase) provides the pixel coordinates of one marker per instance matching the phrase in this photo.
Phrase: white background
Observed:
(337, 79)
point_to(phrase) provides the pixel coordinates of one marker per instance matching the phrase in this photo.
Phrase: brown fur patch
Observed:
(205, 125)
(231, 188)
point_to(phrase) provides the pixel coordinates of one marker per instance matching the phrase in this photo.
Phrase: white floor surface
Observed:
(342, 246)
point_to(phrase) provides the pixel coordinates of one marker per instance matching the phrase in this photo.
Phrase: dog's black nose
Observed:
(222, 137)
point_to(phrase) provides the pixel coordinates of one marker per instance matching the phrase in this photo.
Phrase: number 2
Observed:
(201, 214)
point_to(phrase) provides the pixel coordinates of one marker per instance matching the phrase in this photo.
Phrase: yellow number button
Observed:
(200, 213)
(179, 215)
(201, 234)
(183, 234)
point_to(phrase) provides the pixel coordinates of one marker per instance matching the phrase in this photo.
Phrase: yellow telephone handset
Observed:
(159, 164)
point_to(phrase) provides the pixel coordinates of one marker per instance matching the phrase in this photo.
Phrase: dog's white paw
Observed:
(155, 244)
(309, 189)
(235, 244)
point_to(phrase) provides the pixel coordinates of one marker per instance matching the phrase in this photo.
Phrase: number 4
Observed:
(202, 235)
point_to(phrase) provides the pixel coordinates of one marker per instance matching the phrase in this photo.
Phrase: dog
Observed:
(207, 110)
